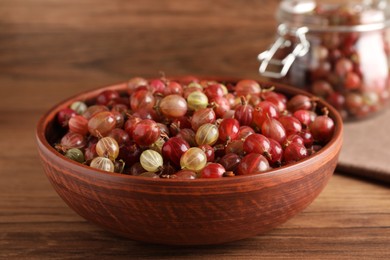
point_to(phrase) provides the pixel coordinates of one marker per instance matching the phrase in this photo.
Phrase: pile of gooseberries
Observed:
(192, 129)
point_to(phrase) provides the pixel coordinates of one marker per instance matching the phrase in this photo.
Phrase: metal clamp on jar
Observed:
(340, 52)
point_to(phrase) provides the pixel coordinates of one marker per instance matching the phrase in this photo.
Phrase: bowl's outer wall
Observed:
(188, 212)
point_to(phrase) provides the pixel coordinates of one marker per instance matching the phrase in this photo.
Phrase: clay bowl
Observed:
(192, 212)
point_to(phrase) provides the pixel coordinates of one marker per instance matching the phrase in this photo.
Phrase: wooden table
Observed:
(53, 49)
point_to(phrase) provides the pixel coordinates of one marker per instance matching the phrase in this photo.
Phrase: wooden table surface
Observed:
(50, 50)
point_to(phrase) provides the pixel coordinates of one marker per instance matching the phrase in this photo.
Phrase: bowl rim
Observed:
(50, 114)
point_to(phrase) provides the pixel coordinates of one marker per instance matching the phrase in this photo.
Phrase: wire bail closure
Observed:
(266, 58)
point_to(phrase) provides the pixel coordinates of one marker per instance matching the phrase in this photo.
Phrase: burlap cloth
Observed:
(366, 147)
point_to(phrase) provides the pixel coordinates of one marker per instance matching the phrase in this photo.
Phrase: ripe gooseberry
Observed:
(142, 99)
(212, 170)
(90, 152)
(221, 106)
(209, 151)
(164, 130)
(75, 155)
(307, 138)
(79, 107)
(207, 134)
(146, 132)
(188, 135)
(299, 102)
(278, 100)
(157, 146)
(322, 128)
(306, 117)
(322, 88)
(130, 124)
(173, 149)
(107, 147)
(185, 175)
(106, 97)
(235, 146)
(197, 100)
(157, 86)
(294, 138)
(119, 107)
(194, 159)
(228, 129)
(201, 117)
(253, 163)
(93, 110)
(247, 87)
(64, 115)
(151, 160)
(272, 128)
(275, 153)
(135, 169)
(101, 124)
(72, 140)
(179, 123)
(173, 87)
(264, 110)
(244, 113)
(78, 124)
(343, 66)
(173, 106)
(230, 161)
(294, 152)
(257, 143)
(130, 153)
(214, 90)
(245, 131)
(102, 163)
(119, 119)
(146, 113)
(120, 136)
(291, 124)
(337, 100)
(135, 83)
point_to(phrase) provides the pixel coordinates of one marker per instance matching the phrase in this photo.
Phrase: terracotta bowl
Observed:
(186, 212)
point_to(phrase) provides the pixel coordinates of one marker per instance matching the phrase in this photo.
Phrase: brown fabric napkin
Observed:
(366, 147)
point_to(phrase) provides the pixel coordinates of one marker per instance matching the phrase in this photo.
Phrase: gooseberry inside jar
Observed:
(337, 51)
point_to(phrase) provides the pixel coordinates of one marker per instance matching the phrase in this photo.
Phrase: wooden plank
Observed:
(346, 223)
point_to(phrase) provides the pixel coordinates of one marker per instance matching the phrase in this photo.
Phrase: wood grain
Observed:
(50, 50)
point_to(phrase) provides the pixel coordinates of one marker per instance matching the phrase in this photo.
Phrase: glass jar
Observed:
(337, 51)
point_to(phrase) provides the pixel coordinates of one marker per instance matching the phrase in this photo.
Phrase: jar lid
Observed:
(353, 15)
